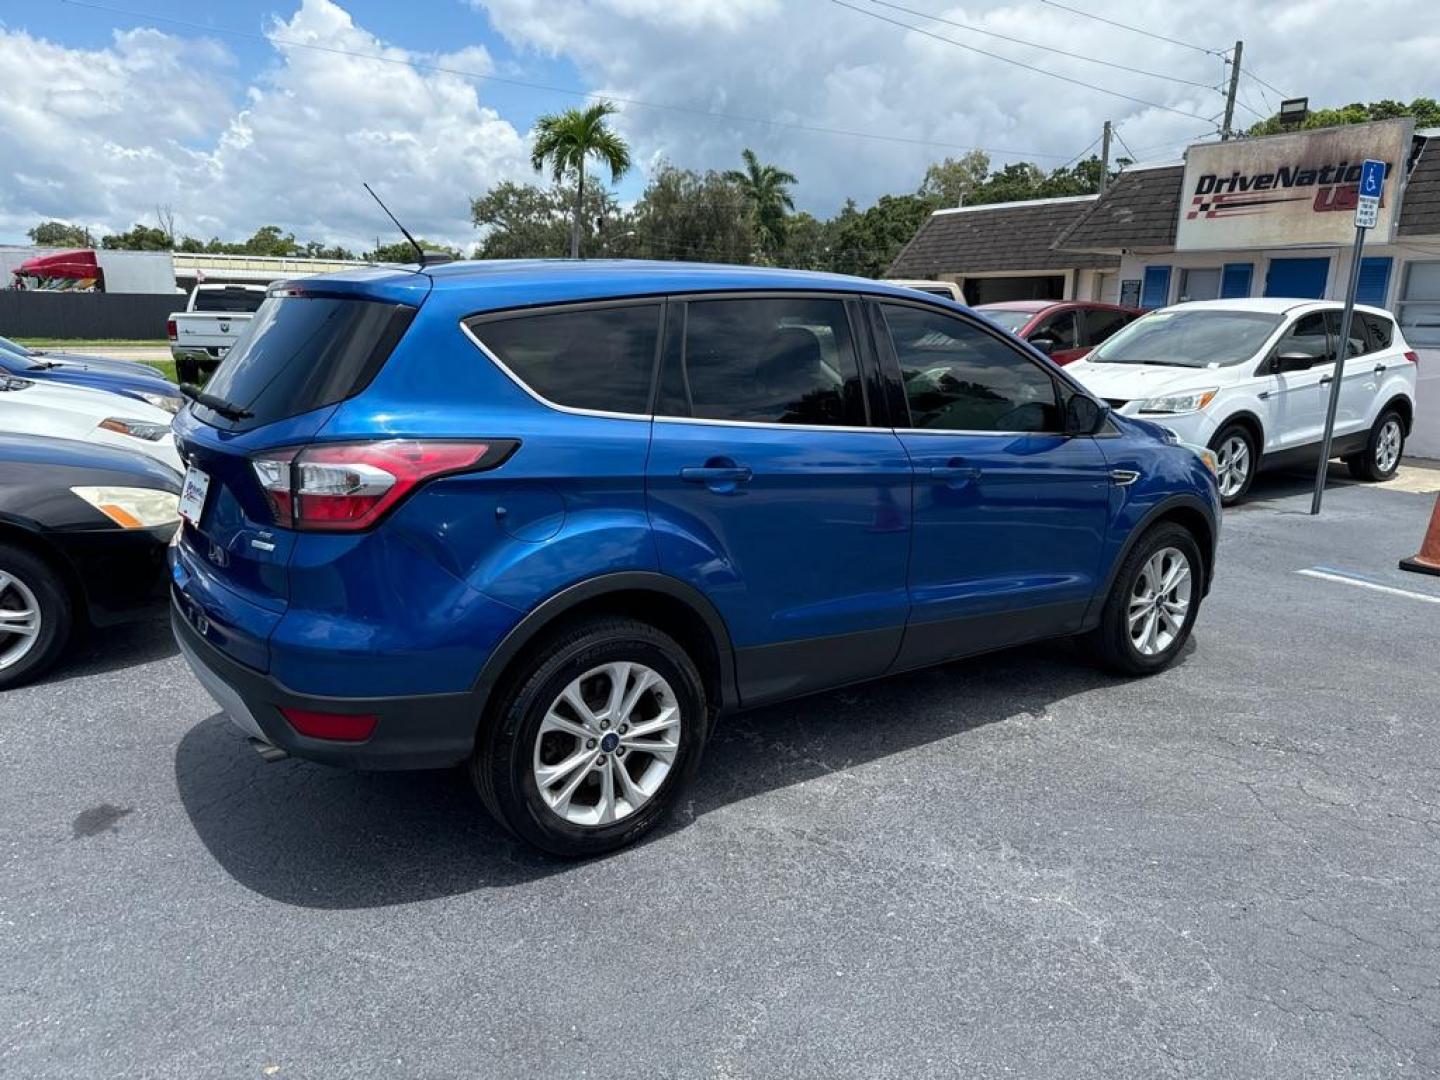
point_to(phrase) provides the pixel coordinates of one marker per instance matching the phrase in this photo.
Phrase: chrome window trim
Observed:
(772, 425)
(573, 410)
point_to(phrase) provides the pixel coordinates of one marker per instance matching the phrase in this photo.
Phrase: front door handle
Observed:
(716, 474)
(1326, 380)
(1379, 369)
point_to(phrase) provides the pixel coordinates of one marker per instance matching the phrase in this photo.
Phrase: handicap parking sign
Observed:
(1372, 183)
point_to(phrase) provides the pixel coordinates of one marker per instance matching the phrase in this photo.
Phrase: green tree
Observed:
(950, 182)
(140, 238)
(686, 215)
(565, 140)
(399, 252)
(268, 240)
(866, 242)
(522, 221)
(59, 234)
(767, 194)
(1426, 112)
(809, 242)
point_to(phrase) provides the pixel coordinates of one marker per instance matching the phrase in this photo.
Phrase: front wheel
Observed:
(1383, 450)
(1152, 604)
(599, 733)
(34, 616)
(1236, 457)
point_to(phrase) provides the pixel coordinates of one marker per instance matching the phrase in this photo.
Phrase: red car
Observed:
(1065, 330)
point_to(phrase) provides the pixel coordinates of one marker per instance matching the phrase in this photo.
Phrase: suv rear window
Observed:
(599, 358)
(231, 300)
(303, 352)
(1379, 330)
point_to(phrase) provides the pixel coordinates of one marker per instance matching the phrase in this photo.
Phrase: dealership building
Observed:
(1271, 216)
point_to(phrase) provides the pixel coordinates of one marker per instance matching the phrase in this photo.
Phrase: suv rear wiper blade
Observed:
(214, 404)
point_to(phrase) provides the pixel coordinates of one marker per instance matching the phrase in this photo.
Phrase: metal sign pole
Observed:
(1342, 347)
(1372, 181)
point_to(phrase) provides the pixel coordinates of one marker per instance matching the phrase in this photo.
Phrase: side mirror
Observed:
(1044, 344)
(1083, 415)
(1291, 361)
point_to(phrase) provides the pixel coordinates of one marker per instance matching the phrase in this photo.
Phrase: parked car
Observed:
(28, 407)
(213, 319)
(1063, 330)
(83, 531)
(430, 519)
(948, 289)
(144, 385)
(92, 363)
(1251, 380)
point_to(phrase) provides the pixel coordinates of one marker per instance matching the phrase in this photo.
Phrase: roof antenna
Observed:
(422, 258)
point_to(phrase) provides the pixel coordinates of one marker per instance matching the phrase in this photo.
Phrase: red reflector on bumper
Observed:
(342, 727)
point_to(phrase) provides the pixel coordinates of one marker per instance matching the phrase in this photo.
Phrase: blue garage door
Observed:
(1157, 287)
(1303, 279)
(1374, 280)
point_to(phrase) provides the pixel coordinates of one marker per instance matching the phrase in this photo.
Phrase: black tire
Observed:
(1252, 456)
(1367, 464)
(17, 565)
(502, 767)
(187, 370)
(1110, 644)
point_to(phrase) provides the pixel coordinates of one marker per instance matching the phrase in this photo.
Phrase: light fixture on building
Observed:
(1293, 111)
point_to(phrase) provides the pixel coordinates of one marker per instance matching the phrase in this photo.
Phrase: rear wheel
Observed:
(600, 731)
(187, 370)
(1152, 604)
(1236, 456)
(34, 616)
(1383, 450)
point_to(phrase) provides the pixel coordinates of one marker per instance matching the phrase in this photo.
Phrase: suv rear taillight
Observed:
(1412, 356)
(346, 487)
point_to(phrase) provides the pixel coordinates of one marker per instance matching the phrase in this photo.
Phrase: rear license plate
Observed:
(192, 495)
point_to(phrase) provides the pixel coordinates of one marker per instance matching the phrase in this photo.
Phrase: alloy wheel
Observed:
(1232, 462)
(19, 620)
(1388, 445)
(607, 743)
(1160, 601)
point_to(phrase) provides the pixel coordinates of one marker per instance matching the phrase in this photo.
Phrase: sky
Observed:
(252, 112)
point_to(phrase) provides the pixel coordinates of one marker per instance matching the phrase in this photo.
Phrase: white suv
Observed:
(1251, 380)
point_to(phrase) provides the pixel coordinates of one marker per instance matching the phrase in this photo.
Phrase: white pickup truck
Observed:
(202, 334)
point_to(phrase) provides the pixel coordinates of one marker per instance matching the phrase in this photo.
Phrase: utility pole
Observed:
(1105, 158)
(1234, 88)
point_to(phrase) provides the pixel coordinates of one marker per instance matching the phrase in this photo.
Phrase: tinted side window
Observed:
(1308, 336)
(588, 358)
(1379, 331)
(1062, 328)
(1100, 324)
(778, 360)
(960, 378)
(1359, 346)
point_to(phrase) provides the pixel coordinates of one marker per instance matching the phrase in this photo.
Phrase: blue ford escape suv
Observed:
(551, 519)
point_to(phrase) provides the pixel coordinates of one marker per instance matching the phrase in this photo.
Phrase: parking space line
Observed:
(1324, 573)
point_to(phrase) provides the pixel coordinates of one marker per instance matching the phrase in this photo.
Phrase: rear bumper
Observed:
(428, 731)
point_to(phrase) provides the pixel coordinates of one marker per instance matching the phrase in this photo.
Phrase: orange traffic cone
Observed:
(1427, 560)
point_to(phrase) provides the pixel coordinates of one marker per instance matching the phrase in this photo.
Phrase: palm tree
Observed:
(566, 139)
(764, 188)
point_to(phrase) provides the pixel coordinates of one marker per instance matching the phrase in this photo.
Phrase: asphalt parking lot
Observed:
(1012, 866)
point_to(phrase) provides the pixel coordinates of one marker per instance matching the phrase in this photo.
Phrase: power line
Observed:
(1262, 82)
(1038, 45)
(1116, 132)
(1017, 63)
(1082, 153)
(585, 94)
(1134, 29)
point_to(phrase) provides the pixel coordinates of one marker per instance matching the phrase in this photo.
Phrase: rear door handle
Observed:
(955, 471)
(716, 474)
(1379, 369)
(1327, 380)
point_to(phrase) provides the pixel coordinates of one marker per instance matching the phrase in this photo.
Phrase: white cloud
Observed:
(101, 136)
(821, 64)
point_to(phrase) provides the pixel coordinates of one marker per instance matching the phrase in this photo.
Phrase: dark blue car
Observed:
(554, 518)
(118, 376)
